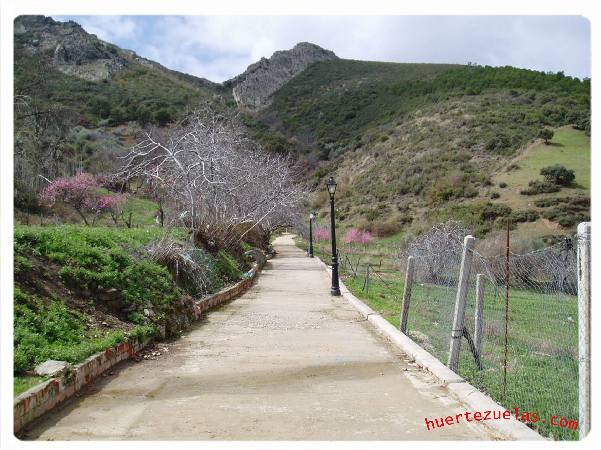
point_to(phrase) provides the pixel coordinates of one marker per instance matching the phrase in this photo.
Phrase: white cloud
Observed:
(108, 28)
(220, 47)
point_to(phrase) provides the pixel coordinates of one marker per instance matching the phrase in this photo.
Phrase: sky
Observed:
(221, 47)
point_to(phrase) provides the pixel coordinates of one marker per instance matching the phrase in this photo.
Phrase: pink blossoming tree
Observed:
(79, 192)
(356, 236)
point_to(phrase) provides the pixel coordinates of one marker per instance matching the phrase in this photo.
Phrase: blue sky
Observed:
(220, 47)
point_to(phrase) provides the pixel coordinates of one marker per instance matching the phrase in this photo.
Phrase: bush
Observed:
(582, 202)
(162, 117)
(492, 211)
(558, 174)
(95, 260)
(227, 267)
(385, 229)
(566, 216)
(494, 195)
(567, 211)
(528, 215)
(502, 185)
(540, 187)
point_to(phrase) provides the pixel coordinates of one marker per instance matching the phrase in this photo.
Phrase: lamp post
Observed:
(332, 191)
(312, 217)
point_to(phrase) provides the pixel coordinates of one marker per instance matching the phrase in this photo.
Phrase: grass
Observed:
(569, 147)
(22, 384)
(63, 272)
(543, 333)
(50, 330)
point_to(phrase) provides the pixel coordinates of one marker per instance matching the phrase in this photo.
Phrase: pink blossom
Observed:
(81, 193)
(106, 203)
(75, 191)
(321, 234)
(356, 236)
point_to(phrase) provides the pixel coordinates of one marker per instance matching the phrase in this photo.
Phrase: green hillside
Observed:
(409, 141)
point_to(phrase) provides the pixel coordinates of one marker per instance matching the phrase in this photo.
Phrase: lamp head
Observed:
(312, 216)
(331, 187)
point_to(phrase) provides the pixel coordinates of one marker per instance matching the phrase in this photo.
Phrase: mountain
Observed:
(75, 52)
(408, 143)
(423, 142)
(253, 88)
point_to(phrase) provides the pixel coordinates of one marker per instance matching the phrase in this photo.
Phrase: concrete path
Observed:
(286, 361)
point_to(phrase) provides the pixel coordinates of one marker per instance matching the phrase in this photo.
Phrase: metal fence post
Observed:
(462, 288)
(479, 313)
(366, 282)
(584, 327)
(407, 293)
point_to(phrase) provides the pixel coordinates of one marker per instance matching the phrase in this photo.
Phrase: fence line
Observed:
(543, 359)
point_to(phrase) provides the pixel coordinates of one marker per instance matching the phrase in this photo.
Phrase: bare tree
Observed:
(439, 251)
(215, 174)
(41, 150)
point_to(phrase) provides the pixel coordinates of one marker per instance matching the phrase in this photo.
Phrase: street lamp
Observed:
(332, 191)
(312, 217)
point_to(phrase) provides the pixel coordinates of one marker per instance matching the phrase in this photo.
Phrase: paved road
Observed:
(286, 361)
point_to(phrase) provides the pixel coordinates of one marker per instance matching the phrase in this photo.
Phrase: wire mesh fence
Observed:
(527, 357)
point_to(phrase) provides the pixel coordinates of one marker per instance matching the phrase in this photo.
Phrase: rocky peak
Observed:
(72, 50)
(253, 88)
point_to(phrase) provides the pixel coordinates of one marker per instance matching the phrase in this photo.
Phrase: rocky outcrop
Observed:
(253, 88)
(72, 49)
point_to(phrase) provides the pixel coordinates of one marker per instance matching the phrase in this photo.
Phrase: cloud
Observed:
(220, 47)
(108, 28)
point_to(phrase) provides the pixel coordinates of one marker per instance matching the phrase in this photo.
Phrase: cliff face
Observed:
(71, 49)
(253, 88)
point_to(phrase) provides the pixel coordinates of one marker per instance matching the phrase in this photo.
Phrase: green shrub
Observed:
(163, 117)
(495, 195)
(566, 216)
(528, 215)
(567, 211)
(502, 185)
(492, 211)
(227, 267)
(579, 201)
(558, 174)
(385, 229)
(540, 187)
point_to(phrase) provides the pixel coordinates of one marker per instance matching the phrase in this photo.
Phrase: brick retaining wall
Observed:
(40, 399)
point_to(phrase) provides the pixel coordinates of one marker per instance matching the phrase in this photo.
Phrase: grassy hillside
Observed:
(569, 147)
(415, 141)
(79, 290)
